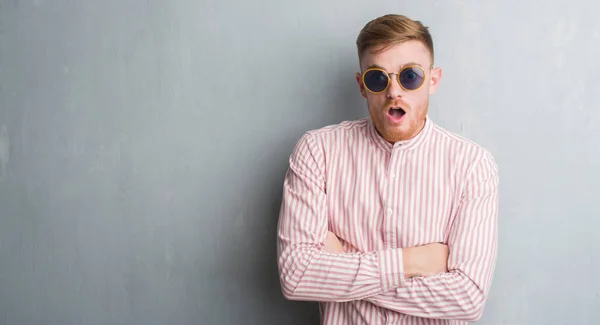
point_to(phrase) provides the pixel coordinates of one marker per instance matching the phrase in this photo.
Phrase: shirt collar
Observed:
(409, 144)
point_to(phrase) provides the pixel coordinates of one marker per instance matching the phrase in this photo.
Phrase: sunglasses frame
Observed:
(390, 78)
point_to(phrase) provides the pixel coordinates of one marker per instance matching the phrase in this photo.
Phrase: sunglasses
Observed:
(377, 80)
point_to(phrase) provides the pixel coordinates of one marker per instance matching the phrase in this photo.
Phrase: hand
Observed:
(332, 244)
(425, 260)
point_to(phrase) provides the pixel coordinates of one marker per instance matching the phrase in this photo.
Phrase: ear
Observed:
(434, 82)
(361, 87)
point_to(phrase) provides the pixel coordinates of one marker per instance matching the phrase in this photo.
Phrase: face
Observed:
(399, 114)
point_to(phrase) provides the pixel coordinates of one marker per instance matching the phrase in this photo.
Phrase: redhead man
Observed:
(390, 219)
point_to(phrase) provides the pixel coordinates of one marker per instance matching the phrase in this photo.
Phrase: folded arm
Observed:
(461, 292)
(307, 271)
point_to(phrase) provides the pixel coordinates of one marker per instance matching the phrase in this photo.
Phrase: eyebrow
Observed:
(402, 66)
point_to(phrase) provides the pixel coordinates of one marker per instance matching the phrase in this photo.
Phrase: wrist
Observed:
(410, 270)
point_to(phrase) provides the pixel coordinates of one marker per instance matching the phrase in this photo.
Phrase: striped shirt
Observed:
(378, 198)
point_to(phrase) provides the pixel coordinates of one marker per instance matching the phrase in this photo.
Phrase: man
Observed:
(390, 219)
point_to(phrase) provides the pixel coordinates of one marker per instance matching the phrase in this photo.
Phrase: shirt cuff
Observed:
(391, 269)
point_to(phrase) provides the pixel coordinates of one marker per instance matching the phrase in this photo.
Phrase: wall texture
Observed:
(143, 146)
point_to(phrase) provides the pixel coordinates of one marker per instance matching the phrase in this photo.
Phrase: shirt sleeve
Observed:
(306, 270)
(461, 293)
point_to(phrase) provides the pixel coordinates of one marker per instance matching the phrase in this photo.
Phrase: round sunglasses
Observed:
(377, 80)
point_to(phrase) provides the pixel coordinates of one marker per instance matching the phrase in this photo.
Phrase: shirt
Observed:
(378, 198)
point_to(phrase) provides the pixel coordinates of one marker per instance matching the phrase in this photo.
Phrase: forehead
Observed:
(398, 55)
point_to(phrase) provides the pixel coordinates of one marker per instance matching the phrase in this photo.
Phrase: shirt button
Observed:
(393, 175)
(390, 211)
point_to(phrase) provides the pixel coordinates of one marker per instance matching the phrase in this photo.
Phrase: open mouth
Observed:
(396, 114)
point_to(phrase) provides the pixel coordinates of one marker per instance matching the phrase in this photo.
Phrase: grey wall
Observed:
(143, 146)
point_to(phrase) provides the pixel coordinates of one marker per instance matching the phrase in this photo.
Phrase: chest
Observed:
(387, 200)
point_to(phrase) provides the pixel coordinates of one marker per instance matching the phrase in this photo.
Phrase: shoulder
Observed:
(345, 130)
(461, 149)
(339, 129)
(316, 142)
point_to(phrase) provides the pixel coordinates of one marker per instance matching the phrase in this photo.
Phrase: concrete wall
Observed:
(143, 146)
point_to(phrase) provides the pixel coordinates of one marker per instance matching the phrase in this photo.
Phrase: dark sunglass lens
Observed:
(376, 80)
(411, 78)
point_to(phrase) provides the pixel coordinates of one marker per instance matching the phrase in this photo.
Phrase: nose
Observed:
(394, 90)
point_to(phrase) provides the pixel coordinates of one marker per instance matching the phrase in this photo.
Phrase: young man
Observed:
(390, 219)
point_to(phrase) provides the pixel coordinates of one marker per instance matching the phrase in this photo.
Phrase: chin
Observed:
(404, 131)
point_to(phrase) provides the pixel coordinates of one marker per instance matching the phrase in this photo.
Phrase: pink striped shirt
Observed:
(377, 198)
